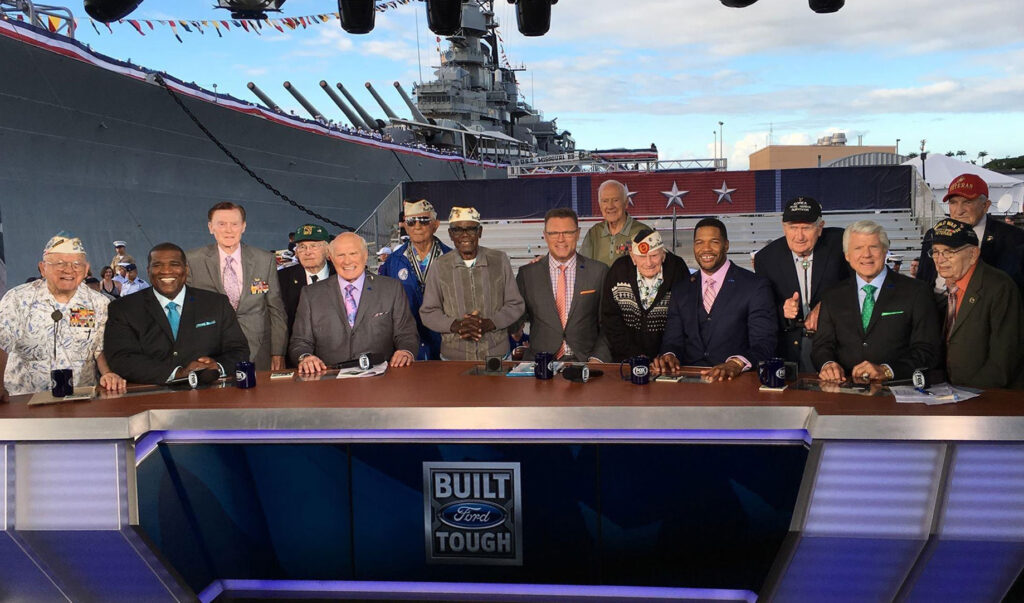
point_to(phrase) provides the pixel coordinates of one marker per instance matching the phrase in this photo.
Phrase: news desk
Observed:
(556, 491)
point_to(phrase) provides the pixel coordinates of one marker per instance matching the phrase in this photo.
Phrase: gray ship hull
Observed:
(108, 155)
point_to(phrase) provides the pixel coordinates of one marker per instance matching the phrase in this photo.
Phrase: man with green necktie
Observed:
(877, 325)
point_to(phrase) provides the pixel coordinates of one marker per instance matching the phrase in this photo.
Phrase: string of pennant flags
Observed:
(250, 26)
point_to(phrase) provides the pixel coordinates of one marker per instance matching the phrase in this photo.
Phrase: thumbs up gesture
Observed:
(791, 307)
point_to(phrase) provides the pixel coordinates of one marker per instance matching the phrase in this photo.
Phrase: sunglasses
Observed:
(421, 220)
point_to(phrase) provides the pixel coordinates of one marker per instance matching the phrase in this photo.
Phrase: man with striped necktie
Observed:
(877, 325)
(722, 317)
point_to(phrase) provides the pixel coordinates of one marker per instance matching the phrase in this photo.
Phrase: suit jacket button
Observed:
(174, 353)
(865, 344)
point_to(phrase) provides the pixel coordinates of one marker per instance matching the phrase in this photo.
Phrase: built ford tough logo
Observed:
(472, 513)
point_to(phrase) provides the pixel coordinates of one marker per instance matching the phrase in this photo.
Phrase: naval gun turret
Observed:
(380, 101)
(374, 124)
(308, 106)
(416, 115)
(349, 113)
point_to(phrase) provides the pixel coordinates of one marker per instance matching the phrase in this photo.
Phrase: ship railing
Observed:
(38, 15)
(381, 227)
(597, 165)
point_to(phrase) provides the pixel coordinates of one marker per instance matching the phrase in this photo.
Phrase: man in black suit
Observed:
(877, 325)
(722, 317)
(169, 330)
(1002, 245)
(311, 242)
(801, 266)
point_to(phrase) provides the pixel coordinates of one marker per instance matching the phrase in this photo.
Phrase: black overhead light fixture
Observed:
(106, 11)
(826, 6)
(738, 3)
(534, 16)
(357, 16)
(444, 17)
(250, 9)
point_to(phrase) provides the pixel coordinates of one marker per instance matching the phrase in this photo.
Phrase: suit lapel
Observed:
(213, 267)
(187, 322)
(339, 304)
(366, 297)
(818, 267)
(542, 276)
(158, 314)
(974, 291)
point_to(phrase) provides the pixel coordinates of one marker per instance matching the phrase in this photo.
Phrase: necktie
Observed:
(350, 305)
(173, 317)
(805, 263)
(232, 285)
(869, 305)
(563, 315)
(709, 296)
(950, 310)
(313, 278)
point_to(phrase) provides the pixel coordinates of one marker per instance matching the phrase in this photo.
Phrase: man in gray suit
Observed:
(562, 292)
(338, 319)
(248, 276)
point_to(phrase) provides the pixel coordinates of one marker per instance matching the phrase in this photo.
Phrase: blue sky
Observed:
(626, 73)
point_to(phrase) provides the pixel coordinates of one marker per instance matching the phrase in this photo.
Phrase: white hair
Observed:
(866, 227)
(615, 183)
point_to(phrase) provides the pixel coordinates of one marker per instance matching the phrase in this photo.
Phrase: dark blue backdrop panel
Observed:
(515, 199)
(851, 188)
(695, 515)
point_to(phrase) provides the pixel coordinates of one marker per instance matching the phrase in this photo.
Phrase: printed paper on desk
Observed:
(378, 369)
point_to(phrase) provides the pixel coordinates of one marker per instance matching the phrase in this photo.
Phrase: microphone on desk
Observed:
(580, 373)
(363, 361)
(56, 316)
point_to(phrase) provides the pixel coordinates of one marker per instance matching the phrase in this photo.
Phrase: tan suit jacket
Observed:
(260, 309)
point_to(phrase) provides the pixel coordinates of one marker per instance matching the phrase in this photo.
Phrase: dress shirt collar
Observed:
(324, 273)
(358, 283)
(570, 264)
(237, 254)
(718, 276)
(178, 299)
(877, 281)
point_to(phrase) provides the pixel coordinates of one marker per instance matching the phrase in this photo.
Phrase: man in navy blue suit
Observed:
(722, 317)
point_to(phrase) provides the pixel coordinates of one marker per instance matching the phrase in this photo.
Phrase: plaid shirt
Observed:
(570, 284)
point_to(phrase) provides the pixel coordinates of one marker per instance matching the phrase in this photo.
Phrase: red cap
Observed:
(968, 186)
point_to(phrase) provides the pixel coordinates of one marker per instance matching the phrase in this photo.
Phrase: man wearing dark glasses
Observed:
(410, 264)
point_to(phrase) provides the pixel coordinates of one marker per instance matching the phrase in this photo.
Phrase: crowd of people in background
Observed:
(823, 298)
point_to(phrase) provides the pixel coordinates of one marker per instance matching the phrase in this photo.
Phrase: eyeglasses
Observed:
(945, 253)
(61, 264)
(421, 220)
(310, 246)
(560, 234)
(459, 231)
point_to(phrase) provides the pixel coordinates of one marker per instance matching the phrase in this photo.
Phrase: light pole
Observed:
(897, 146)
(714, 147)
(721, 139)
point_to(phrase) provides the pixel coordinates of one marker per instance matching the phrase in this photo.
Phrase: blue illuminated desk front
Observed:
(432, 484)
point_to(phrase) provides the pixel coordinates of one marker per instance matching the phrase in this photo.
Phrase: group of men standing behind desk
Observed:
(821, 297)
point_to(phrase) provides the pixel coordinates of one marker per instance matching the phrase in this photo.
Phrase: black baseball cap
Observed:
(801, 209)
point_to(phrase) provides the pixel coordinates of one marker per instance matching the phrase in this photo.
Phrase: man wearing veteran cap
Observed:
(55, 322)
(801, 265)
(877, 325)
(636, 296)
(121, 255)
(311, 242)
(610, 240)
(411, 263)
(563, 295)
(983, 326)
(471, 296)
(1002, 245)
(722, 317)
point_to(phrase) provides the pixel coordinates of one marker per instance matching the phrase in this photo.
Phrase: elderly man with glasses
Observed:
(411, 263)
(983, 326)
(311, 242)
(55, 322)
(471, 296)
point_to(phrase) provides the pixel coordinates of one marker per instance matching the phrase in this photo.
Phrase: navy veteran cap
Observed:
(954, 233)
(311, 232)
(801, 209)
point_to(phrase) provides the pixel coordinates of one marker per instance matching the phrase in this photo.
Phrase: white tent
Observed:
(939, 170)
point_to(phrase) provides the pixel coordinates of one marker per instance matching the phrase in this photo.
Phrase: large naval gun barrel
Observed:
(370, 121)
(308, 106)
(380, 101)
(263, 97)
(416, 115)
(349, 113)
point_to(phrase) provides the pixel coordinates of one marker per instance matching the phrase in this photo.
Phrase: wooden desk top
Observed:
(441, 395)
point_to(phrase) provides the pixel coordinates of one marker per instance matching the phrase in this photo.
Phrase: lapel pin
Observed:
(971, 299)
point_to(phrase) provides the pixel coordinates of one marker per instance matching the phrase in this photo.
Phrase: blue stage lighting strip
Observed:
(147, 443)
(431, 591)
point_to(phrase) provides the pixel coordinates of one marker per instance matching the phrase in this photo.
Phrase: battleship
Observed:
(111, 150)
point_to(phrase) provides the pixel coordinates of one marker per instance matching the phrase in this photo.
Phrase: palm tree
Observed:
(950, 153)
(961, 153)
(911, 155)
(981, 156)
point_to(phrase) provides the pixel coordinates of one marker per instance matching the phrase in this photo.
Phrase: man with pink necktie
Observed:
(562, 292)
(248, 276)
(722, 317)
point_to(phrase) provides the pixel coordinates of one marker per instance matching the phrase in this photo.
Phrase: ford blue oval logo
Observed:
(471, 515)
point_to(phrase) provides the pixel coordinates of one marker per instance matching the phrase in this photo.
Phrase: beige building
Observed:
(780, 157)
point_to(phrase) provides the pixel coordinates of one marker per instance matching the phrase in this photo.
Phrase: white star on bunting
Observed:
(629, 195)
(674, 196)
(724, 193)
